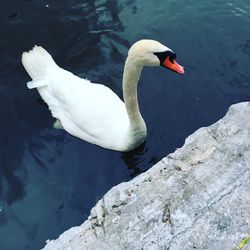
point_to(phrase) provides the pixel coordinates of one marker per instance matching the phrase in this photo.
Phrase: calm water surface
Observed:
(49, 180)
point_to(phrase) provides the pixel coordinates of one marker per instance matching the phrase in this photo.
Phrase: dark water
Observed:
(49, 180)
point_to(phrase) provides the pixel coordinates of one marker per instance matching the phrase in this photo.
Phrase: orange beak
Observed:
(174, 66)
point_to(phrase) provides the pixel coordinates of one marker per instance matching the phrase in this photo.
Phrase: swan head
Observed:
(153, 53)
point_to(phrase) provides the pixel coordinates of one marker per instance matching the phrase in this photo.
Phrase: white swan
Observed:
(93, 112)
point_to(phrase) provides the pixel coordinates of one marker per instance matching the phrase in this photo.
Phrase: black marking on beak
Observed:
(163, 55)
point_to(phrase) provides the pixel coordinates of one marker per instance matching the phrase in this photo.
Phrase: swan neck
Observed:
(131, 75)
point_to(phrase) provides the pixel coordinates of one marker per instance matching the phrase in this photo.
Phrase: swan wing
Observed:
(90, 111)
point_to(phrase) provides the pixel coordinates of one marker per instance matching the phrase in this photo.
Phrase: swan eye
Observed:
(166, 54)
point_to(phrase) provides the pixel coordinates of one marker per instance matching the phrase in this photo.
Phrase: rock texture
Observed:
(195, 198)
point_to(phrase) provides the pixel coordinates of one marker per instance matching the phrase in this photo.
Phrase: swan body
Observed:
(92, 111)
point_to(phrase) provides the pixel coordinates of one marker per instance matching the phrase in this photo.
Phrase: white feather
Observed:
(37, 83)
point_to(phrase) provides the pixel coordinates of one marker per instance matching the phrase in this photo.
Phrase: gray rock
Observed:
(195, 198)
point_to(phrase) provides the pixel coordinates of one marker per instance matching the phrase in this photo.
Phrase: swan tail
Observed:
(36, 62)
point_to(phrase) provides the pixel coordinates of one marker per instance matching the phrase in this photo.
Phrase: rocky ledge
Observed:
(195, 198)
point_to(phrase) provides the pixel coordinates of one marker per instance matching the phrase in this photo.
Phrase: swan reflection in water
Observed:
(133, 158)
